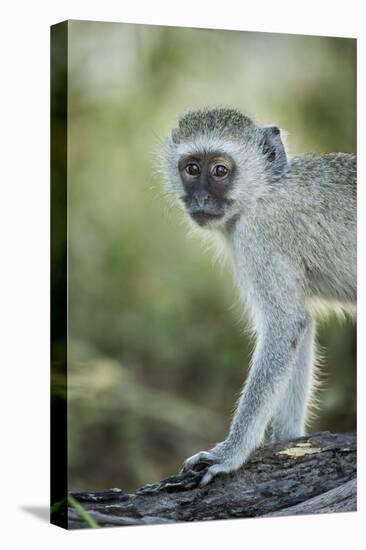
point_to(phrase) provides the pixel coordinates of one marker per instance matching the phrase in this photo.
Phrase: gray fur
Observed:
(290, 226)
(220, 121)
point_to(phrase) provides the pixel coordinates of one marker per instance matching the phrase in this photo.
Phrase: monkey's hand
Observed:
(223, 458)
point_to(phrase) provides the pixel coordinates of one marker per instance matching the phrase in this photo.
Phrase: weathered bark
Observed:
(308, 475)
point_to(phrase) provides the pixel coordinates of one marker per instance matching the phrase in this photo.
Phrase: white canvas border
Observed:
(25, 268)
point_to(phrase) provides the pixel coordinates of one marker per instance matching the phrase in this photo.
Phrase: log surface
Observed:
(313, 474)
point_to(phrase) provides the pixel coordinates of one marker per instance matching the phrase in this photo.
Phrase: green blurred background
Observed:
(157, 347)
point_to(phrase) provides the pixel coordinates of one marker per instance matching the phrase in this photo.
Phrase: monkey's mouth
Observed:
(202, 217)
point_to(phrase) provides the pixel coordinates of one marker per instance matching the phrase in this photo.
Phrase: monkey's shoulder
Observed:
(326, 167)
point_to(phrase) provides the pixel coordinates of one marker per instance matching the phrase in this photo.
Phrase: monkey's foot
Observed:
(216, 461)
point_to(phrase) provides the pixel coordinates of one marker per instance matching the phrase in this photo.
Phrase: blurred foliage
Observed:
(157, 350)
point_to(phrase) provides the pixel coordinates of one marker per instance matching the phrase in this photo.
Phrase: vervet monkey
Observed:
(290, 227)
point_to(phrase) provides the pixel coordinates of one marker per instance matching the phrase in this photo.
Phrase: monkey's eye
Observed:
(192, 169)
(220, 171)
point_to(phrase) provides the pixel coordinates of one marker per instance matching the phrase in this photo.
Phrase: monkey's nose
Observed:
(202, 200)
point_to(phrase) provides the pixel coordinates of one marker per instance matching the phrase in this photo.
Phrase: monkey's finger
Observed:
(218, 468)
(212, 471)
(203, 458)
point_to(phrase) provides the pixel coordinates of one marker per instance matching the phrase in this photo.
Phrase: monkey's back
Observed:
(313, 210)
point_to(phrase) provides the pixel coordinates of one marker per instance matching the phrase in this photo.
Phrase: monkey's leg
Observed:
(269, 375)
(290, 416)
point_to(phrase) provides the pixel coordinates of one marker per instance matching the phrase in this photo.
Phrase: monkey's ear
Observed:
(273, 149)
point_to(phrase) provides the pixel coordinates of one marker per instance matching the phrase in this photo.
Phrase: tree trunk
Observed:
(309, 475)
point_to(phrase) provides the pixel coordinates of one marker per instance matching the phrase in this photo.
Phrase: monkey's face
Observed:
(221, 165)
(207, 179)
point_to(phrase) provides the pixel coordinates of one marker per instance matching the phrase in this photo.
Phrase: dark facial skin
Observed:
(206, 180)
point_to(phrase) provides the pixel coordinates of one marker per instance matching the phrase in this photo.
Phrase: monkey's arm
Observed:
(281, 323)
